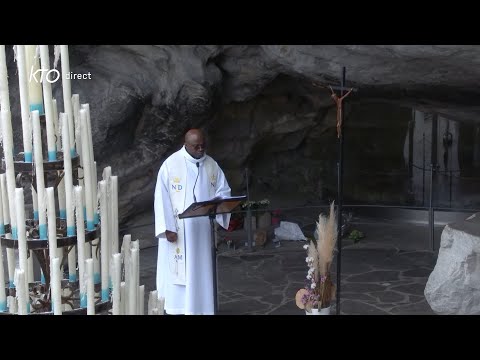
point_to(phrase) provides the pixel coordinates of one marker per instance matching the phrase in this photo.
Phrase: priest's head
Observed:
(195, 143)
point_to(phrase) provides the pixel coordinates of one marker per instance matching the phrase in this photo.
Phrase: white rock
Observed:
(454, 285)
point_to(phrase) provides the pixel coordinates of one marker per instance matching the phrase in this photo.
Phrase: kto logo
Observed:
(53, 75)
(48, 76)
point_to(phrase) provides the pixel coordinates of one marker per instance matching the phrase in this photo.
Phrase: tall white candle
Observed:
(35, 203)
(90, 287)
(67, 95)
(107, 212)
(104, 236)
(78, 142)
(32, 63)
(127, 263)
(68, 178)
(116, 280)
(5, 206)
(56, 287)
(96, 208)
(52, 228)
(47, 95)
(123, 297)
(58, 135)
(21, 291)
(3, 295)
(87, 171)
(4, 96)
(24, 105)
(87, 141)
(80, 244)
(96, 259)
(133, 286)
(152, 301)
(12, 304)
(6, 220)
(10, 170)
(62, 212)
(37, 152)
(141, 300)
(22, 237)
(161, 305)
(30, 278)
(2, 221)
(114, 207)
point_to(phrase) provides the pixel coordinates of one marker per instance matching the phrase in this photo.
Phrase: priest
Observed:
(184, 263)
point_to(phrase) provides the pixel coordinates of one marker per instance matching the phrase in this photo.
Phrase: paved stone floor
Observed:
(383, 274)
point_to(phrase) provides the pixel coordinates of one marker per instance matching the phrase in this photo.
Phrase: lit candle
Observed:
(90, 287)
(114, 232)
(80, 244)
(37, 153)
(22, 239)
(47, 94)
(104, 236)
(21, 291)
(24, 105)
(35, 96)
(4, 96)
(67, 95)
(56, 286)
(116, 280)
(9, 167)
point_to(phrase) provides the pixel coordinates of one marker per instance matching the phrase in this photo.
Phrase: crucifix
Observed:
(339, 104)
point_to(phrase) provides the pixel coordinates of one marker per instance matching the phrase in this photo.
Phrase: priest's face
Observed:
(195, 145)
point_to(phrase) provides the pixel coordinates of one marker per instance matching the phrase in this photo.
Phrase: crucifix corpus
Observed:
(338, 102)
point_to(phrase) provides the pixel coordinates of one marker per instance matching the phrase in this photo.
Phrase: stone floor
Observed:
(383, 274)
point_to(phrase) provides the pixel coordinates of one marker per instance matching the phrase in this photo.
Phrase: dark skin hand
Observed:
(171, 236)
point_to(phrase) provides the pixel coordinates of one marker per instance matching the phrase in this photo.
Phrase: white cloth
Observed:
(196, 296)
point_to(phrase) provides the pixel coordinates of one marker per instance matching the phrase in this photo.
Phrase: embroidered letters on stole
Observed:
(177, 183)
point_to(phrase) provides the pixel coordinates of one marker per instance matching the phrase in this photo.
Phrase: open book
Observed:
(217, 205)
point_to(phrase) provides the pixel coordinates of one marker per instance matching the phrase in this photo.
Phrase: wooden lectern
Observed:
(212, 208)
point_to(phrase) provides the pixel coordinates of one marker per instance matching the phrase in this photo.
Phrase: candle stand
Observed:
(39, 291)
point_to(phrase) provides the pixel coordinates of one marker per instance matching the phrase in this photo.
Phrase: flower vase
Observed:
(324, 311)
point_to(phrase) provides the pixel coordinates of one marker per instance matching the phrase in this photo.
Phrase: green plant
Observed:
(356, 235)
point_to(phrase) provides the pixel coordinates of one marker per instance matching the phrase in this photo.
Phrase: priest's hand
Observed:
(171, 236)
